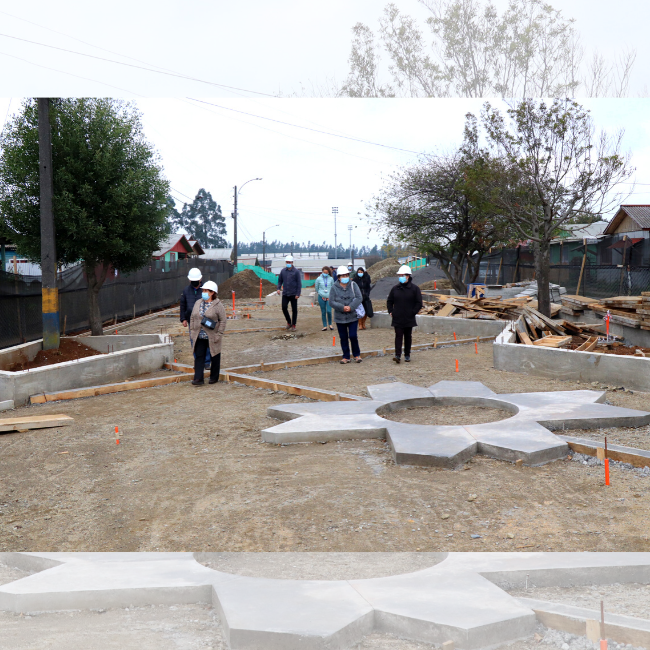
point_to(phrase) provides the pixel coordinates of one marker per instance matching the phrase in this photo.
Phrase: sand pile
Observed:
(442, 283)
(383, 269)
(246, 285)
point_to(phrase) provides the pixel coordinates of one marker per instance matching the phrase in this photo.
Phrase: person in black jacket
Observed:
(363, 281)
(190, 295)
(403, 304)
(290, 286)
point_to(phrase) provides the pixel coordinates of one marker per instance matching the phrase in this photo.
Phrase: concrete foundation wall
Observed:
(630, 372)
(19, 353)
(464, 327)
(92, 371)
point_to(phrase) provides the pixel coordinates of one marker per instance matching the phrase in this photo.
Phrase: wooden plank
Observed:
(553, 341)
(520, 327)
(549, 323)
(34, 422)
(636, 457)
(106, 389)
(588, 345)
(447, 310)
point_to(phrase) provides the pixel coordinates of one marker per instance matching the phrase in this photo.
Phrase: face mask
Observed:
(360, 274)
(205, 295)
(349, 268)
(402, 279)
(325, 275)
(195, 283)
(345, 280)
(288, 265)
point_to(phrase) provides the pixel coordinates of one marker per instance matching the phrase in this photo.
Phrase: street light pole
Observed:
(234, 216)
(264, 245)
(351, 252)
(335, 211)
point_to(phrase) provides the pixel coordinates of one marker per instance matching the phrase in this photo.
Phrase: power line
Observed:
(308, 128)
(139, 67)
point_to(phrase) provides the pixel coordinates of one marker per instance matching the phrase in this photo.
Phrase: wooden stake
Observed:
(582, 267)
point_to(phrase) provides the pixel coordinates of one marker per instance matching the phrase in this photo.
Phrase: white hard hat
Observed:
(212, 286)
(194, 275)
(343, 270)
(288, 258)
(405, 269)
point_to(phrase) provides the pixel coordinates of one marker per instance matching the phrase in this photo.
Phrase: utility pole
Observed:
(335, 211)
(50, 292)
(234, 216)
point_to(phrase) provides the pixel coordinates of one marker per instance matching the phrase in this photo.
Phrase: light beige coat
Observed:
(216, 312)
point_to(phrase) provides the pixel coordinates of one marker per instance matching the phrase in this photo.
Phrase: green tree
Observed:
(551, 168)
(110, 196)
(439, 207)
(203, 220)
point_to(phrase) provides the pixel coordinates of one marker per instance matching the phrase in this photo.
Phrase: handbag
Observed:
(206, 322)
(361, 312)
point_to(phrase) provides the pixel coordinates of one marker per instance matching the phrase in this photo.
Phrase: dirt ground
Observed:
(191, 472)
(68, 351)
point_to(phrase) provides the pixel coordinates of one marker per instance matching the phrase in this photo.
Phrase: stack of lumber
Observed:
(622, 309)
(494, 308)
(644, 311)
(575, 305)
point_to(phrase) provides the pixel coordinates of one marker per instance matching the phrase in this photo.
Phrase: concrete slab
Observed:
(413, 444)
(457, 599)
(525, 436)
(6, 405)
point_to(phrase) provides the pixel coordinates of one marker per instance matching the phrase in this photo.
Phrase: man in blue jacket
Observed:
(290, 285)
(190, 295)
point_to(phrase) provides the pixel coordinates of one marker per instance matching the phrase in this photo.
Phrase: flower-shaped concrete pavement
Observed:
(526, 435)
(457, 599)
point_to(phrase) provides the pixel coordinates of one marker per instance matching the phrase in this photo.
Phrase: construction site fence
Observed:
(123, 295)
(591, 280)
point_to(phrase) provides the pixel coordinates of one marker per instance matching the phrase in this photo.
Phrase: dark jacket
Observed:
(189, 296)
(364, 284)
(340, 297)
(404, 302)
(290, 281)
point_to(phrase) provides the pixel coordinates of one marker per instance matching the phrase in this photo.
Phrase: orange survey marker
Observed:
(260, 288)
(455, 339)
(233, 303)
(117, 436)
(435, 284)
(476, 348)
(334, 341)
(456, 365)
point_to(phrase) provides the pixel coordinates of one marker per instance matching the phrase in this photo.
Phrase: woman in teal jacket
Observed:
(323, 286)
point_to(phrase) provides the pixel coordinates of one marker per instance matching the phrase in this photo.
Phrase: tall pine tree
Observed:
(202, 220)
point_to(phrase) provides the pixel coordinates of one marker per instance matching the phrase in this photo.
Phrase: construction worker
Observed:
(190, 295)
(403, 304)
(290, 286)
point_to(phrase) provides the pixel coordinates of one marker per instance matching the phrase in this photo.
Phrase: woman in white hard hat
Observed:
(207, 325)
(345, 298)
(403, 304)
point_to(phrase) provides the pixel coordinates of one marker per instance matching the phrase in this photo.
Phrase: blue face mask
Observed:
(205, 295)
(325, 275)
(288, 265)
(360, 274)
(403, 279)
(345, 280)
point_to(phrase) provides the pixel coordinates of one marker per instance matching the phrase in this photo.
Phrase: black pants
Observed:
(200, 349)
(293, 301)
(405, 333)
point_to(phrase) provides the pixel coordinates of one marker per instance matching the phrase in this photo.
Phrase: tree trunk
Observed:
(542, 252)
(96, 275)
(453, 272)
